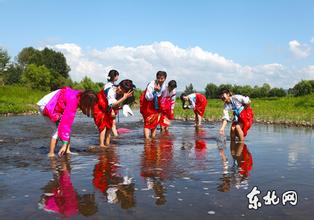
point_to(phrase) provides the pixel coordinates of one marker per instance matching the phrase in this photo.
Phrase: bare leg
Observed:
(240, 132)
(53, 143)
(68, 148)
(114, 129)
(147, 133)
(102, 138)
(199, 119)
(107, 137)
(154, 133)
(232, 132)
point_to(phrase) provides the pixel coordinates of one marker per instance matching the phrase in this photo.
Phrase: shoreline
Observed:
(287, 123)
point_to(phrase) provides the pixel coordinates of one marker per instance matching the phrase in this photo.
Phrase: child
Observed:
(196, 101)
(150, 104)
(168, 101)
(112, 77)
(109, 102)
(59, 109)
(243, 114)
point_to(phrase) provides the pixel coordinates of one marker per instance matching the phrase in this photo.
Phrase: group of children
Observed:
(156, 106)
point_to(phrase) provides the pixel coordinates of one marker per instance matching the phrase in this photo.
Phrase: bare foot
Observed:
(51, 155)
(103, 146)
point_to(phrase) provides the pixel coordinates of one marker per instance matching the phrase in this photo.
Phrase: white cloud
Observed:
(189, 65)
(312, 40)
(299, 50)
(309, 72)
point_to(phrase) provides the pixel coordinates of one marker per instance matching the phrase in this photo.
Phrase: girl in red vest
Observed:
(242, 112)
(109, 102)
(150, 104)
(197, 102)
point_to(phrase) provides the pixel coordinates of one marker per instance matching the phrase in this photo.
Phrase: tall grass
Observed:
(18, 99)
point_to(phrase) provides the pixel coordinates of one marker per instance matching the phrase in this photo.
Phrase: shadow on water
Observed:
(184, 173)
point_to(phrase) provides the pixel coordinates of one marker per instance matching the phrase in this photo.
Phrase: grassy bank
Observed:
(287, 110)
(16, 99)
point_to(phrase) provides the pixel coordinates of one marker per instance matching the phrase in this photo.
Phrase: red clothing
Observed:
(247, 162)
(200, 104)
(102, 112)
(166, 111)
(246, 118)
(150, 115)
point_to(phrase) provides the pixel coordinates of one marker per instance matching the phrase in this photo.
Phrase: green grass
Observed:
(18, 99)
(290, 110)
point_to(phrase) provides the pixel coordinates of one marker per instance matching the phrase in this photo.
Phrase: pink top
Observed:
(62, 107)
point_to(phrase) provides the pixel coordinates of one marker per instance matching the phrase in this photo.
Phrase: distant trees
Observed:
(52, 60)
(303, 88)
(36, 77)
(189, 89)
(212, 91)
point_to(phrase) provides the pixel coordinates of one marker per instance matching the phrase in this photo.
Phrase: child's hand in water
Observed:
(62, 150)
(222, 131)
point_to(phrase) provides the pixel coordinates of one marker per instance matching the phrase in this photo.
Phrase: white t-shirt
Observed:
(108, 85)
(111, 95)
(150, 89)
(44, 101)
(237, 101)
(192, 100)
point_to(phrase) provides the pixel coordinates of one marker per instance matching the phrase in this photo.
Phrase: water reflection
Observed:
(156, 165)
(238, 175)
(59, 195)
(116, 188)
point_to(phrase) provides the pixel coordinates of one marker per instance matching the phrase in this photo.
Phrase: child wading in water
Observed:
(112, 77)
(168, 101)
(242, 112)
(59, 110)
(109, 102)
(197, 102)
(150, 104)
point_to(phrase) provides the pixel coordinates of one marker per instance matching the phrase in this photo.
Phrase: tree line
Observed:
(212, 90)
(48, 70)
(44, 69)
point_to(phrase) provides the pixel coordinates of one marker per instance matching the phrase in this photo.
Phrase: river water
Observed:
(183, 174)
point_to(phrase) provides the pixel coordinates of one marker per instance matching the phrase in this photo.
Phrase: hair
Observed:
(225, 91)
(112, 74)
(127, 85)
(161, 73)
(182, 100)
(172, 84)
(88, 100)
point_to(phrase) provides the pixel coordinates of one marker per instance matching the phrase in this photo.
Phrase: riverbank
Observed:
(290, 111)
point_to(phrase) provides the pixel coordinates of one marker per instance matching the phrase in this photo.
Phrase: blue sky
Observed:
(250, 33)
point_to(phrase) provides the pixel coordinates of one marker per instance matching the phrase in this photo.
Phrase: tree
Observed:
(303, 88)
(53, 60)
(277, 92)
(37, 77)
(29, 55)
(224, 87)
(211, 91)
(13, 74)
(189, 89)
(87, 83)
(4, 59)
